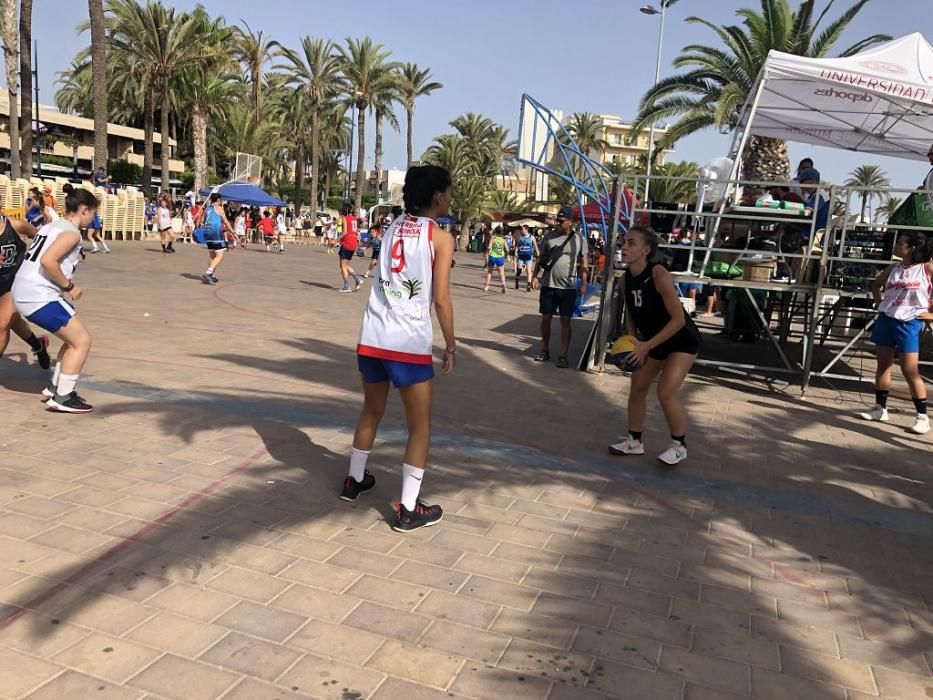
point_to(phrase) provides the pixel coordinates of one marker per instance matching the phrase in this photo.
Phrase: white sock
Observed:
(411, 485)
(56, 372)
(66, 383)
(358, 463)
(210, 271)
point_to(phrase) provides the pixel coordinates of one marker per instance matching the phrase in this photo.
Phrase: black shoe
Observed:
(169, 248)
(206, 278)
(42, 352)
(69, 404)
(422, 516)
(353, 488)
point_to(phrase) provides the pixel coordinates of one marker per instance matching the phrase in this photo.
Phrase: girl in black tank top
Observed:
(667, 345)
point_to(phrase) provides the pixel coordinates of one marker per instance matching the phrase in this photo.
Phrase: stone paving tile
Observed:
(717, 673)
(609, 677)
(447, 606)
(251, 689)
(546, 630)
(315, 602)
(416, 663)
(41, 635)
(261, 621)
(490, 567)
(197, 602)
(112, 658)
(903, 685)
(465, 642)
(388, 622)
(336, 641)
(652, 627)
(250, 656)
(330, 680)
(72, 684)
(249, 584)
(184, 636)
(477, 681)
(770, 685)
(637, 652)
(736, 647)
(499, 592)
(183, 679)
(20, 673)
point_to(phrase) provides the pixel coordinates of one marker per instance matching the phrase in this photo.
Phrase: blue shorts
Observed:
(53, 316)
(903, 335)
(401, 374)
(345, 254)
(496, 262)
(525, 261)
(97, 223)
(557, 301)
(684, 287)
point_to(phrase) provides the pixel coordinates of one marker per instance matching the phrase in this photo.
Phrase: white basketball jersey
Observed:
(31, 283)
(397, 320)
(906, 292)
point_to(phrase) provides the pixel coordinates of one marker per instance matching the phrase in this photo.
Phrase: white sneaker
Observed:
(876, 413)
(674, 454)
(922, 424)
(629, 446)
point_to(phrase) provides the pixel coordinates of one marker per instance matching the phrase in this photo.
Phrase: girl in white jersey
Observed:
(396, 340)
(38, 292)
(164, 215)
(902, 292)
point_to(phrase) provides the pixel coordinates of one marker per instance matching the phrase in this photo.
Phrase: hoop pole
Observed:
(598, 356)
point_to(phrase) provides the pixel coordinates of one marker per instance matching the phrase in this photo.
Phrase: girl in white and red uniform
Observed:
(396, 339)
(903, 293)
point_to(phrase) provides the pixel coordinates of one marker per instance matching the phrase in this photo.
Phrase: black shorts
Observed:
(557, 301)
(346, 254)
(686, 340)
(6, 284)
(216, 245)
(318, 230)
(376, 253)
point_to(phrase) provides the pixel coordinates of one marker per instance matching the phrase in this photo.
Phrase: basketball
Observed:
(620, 351)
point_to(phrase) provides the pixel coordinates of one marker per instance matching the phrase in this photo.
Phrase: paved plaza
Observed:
(185, 541)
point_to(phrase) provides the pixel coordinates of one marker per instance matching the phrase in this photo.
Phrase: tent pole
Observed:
(736, 154)
(598, 358)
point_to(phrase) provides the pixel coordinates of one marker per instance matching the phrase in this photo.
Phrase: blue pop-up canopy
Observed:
(244, 193)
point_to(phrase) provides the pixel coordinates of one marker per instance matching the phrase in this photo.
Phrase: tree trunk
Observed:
(766, 159)
(11, 54)
(864, 204)
(165, 151)
(360, 157)
(464, 234)
(377, 165)
(199, 127)
(299, 177)
(315, 160)
(256, 77)
(99, 68)
(411, 114)
(25, 81)
(148, 128)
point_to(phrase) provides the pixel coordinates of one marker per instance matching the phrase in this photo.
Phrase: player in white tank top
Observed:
(903, 294)
(38, 292)
(396, 338)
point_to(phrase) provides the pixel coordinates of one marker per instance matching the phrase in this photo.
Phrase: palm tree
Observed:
(587, 133)
(871, 177)
(290, 108)
(207, 88)
(25, 82)
(9, 28)
(470, 202)
(73, 142)
(253, 50)
(335, 139)
(451, 153)
(317, 70)
(414, 83)
(888, 207)
(383, 102)
(367, 73)
(156, 45)
(99, 81)
(675, 191)
(720, 78)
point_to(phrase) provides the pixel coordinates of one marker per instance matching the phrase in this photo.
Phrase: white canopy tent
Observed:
(878, 101)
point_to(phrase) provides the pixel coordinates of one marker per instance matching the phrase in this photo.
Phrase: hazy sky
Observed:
(574, 55)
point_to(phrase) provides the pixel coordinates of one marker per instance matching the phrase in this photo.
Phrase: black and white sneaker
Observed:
(422, 516)
(48, 393)
(42, 352)
(214, 279)
(69, 404)
(353, 488)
